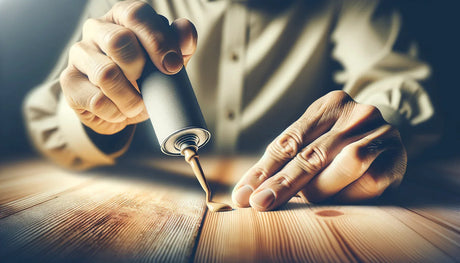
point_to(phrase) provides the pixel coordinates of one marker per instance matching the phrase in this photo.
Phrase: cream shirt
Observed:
(257, 69)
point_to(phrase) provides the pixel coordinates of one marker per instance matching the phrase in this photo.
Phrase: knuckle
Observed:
(138, 12)
(65, 78)
(158, 41)
(90, 121)
(98, 121)
(336, 103)
(85, 114)
(75, 50)
(97, 102)
(89, 23)
(72, 103)
(358, 119)
(120, 39)
(338, 96)
(284, 181)
(367, 111)
(260, 174)
(118, 5)
(312, 159)
(105, 74)
(285, 146)
(188, 29)
(287, 182)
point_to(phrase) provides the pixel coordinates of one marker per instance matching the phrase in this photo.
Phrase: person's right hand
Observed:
(99, 82)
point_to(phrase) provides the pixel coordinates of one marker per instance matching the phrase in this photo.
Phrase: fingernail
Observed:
(242, 196)
(263, 199)
(172, 62)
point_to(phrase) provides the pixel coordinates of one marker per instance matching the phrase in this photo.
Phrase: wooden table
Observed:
(154, 211)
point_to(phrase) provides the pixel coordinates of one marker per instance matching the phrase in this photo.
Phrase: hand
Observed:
(338, 149)
(99, 82)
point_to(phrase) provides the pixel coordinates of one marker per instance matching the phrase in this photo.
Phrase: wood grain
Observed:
(154, 211)
(24, 185)
(300, 233)
(104, 219)
(440, 235)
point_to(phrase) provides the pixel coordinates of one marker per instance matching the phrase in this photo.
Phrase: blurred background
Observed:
(33, 34)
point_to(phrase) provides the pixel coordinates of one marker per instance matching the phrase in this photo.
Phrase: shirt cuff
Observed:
(80, 143)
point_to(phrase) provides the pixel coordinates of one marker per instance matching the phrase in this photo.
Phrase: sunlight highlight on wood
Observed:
(299, 232)
(155, 212)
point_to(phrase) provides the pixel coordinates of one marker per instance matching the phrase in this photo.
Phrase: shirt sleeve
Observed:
(376, 71)
(54, 128)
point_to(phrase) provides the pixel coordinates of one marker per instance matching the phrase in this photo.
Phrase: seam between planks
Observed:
(198, 236)
(420, 235)
(435, 220)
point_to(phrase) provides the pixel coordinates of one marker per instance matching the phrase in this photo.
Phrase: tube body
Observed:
(174, 111)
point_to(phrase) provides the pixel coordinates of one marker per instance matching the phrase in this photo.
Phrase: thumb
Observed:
(187, 35)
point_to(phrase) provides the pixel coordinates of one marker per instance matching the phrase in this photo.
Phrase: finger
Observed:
(350, 164)
(119, 43)
(152, 31)
(106, 75)
(284, 148)
(316, 120)
(187, 36)
(297, 173)
(99, 125)
(143, 116)
(83, 96)
(357, 124)
(377, 178)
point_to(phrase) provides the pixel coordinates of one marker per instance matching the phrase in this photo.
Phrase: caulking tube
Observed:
(174, 111)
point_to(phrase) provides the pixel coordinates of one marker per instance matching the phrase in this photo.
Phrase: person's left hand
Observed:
(338, 149)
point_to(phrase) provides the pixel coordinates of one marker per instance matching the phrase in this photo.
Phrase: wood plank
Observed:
(153, 210)
(13, 177)
(443, 237)
(27, 191)
(110, 218)
(248, 236)
(448, 216)
(298, 232)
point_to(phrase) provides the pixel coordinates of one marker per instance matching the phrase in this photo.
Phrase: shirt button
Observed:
(230, 115)
(234, 56)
